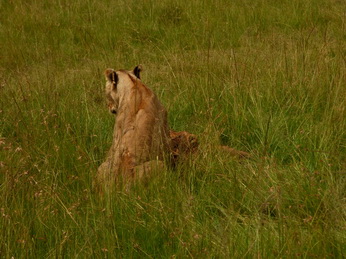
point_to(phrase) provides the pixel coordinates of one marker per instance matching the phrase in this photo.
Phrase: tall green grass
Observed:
(266, 77)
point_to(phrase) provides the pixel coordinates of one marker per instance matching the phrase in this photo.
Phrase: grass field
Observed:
(263, 76)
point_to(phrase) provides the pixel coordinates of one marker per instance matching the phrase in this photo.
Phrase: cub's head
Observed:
(117, 84)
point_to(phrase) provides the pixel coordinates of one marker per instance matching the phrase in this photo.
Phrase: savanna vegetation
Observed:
(263, 76)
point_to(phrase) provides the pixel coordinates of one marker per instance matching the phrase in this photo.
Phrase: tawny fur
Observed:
(141, 135)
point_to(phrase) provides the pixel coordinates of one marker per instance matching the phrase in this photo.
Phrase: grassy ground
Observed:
(263, 76)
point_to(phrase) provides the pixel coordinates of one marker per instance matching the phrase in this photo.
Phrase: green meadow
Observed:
(264, 76)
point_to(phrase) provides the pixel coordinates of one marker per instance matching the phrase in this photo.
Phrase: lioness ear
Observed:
(137, 71)
(111, 75)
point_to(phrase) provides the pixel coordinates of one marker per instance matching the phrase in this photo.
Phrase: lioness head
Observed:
(117, 83)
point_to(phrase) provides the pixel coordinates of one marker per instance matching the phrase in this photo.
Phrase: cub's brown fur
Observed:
(183, 143)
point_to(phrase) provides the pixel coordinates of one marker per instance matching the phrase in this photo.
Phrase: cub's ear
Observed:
(137, 71)
(111, 76)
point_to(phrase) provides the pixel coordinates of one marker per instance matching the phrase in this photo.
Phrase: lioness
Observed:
(141, 134)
